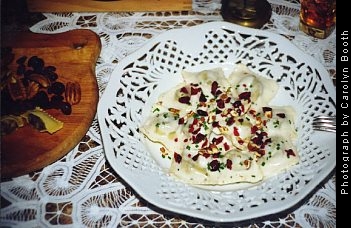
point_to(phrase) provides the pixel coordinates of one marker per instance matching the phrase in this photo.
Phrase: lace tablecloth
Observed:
(82, 190)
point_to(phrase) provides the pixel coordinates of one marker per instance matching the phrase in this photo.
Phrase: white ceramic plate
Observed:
(139, 78)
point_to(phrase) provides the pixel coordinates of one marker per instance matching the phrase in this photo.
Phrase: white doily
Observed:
(81, 190)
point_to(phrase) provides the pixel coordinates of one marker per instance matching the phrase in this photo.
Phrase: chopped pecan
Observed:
(267, 112)
(40, 79)
(247, 164)
(16, 88)
(174, 111)
(32, 89)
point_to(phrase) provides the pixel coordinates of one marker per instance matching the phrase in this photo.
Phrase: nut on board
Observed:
(73, 93)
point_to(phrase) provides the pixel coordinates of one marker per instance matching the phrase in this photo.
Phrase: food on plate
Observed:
(29, 89)
(219, 129)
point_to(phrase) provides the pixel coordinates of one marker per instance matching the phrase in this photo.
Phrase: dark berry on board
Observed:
(66, 108)
(25, 81)
(56, 101)
(28, 73)
(21, 60)
(27, 105)
(56, 88)
(41, 99)
(49, 69)
(52, 76)
(36, 63)
(21, 69)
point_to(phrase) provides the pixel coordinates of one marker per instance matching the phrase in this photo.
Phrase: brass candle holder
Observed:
(249, 13)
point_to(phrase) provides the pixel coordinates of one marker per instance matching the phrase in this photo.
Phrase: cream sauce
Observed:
(219, 129)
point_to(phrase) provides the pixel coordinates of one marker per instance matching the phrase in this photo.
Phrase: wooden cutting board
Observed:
(108, 5)
(74, 55)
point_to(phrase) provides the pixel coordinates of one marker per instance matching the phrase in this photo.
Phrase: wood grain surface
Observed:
(74, 55)
(107, 5)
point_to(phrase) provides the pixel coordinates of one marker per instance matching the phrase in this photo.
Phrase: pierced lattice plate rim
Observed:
(140, 77)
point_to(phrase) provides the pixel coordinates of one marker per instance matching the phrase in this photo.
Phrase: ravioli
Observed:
(219, 129)
(42, 121)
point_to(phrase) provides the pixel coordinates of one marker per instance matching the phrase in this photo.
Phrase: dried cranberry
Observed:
(230, 121)
(177, 157)
(269, 140)
(237, 104)
(199, 137)
(195, 91)
(214, 87)
(226, 146)
(254, 129)
(220, 103)
(251, 147)
(281, 115)
(257, 140)
(217, 140)
(218, 92)
(214, 165)
(261, 152)
(290, 152)
(184, 90)
(229, 164)
(201, 112)
(196, 131)
(236, 131)
(181, 120)
(215, 124)
(245, 96)
(216, 155)
(184, 100)
(195, 157)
